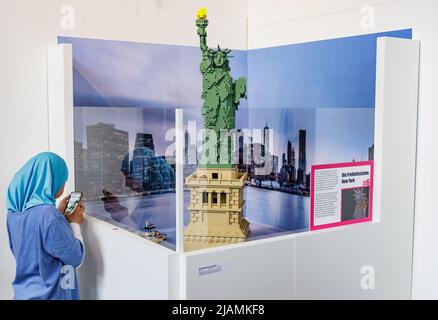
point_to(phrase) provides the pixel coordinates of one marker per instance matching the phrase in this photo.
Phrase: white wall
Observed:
(120, 266)
(281, 22)
(28, 27)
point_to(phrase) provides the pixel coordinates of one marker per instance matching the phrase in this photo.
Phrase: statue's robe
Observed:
(218, 108)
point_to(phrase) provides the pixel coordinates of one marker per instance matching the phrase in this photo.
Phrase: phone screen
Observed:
(75, 198)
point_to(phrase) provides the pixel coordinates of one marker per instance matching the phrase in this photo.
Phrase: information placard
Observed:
(341, 194)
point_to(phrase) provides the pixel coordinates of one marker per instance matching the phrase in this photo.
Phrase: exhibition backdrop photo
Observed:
(307, 105)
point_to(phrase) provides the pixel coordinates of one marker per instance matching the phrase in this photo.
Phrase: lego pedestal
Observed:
(216, 208)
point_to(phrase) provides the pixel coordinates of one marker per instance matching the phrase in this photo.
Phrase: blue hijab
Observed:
(37, 182)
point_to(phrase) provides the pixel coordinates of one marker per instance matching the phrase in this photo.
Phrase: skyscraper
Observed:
(274, 164)
(289, 168)
(150, 173)
(141, 169)
(186, 147)
(266, 140)
(308, 181)
(243, 158)
(371, 153)
(107, 149)
(302, 163)
(293, 161)
(292, 169)
(144, 140)
(289, 153)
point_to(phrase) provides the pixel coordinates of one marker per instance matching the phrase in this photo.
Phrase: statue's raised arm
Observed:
(202, 24)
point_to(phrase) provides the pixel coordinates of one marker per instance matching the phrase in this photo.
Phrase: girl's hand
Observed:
(78, 215)
(63, 204)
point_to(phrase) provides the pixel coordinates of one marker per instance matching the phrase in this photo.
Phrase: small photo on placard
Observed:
(355, 203)
(341, 194)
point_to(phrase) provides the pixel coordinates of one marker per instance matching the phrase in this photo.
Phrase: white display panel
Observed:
(263, 269)
(119, 265)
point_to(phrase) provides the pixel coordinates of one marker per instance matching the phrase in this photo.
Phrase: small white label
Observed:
(205, 271)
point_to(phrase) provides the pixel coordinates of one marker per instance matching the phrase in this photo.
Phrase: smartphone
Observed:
(75, 198)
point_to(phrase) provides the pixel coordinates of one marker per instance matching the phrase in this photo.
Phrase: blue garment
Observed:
(37, 182)
(42, 241)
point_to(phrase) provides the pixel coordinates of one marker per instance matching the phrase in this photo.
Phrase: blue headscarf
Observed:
(37, 182)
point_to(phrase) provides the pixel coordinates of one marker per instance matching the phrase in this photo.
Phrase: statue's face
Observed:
(219, 59)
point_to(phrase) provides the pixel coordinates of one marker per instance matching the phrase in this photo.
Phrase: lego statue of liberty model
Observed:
(220, 93)
(217, 188)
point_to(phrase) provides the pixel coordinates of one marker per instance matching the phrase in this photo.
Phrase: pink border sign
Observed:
(369, 184)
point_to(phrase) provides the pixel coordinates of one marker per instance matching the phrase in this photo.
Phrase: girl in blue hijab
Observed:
(46, 245)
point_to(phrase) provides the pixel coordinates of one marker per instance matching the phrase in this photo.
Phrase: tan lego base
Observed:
(216, 209)
(193, 241)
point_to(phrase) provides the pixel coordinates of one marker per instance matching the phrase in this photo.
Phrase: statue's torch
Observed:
(202, 21)
(202, 13)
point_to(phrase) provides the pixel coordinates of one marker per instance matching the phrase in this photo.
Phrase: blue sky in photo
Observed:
(129, 74)
(338, 73)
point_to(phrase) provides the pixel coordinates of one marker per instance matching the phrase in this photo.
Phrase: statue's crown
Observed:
(225, 52)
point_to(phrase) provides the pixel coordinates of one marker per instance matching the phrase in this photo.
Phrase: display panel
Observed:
(307, 104)
(122, 168)
(125, 96)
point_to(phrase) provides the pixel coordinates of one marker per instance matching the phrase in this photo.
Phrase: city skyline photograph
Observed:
(315, 100)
